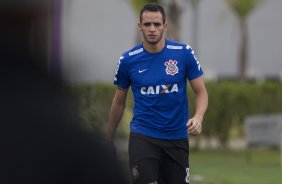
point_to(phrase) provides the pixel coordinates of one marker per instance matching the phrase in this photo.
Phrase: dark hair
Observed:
(152, 7)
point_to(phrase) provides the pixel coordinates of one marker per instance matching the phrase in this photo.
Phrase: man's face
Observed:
(152, 27)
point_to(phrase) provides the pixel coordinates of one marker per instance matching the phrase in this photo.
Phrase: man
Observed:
(157, 71)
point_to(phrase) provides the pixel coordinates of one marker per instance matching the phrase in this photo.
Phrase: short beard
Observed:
(153, 42)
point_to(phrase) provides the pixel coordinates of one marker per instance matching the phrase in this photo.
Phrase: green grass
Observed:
(258, 166)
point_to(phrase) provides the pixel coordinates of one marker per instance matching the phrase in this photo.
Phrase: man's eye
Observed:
(149, 24)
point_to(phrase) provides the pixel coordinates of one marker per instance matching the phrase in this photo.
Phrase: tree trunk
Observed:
(195, 26)
(243, 50)
(174, 13)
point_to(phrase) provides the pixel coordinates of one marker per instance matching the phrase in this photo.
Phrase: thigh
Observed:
(174, 167)
(172, 172)
(144, 160)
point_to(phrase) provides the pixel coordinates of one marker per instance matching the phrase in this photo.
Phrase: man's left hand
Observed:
(194, 125)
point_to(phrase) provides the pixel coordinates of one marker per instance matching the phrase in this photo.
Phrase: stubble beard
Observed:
(153, 42)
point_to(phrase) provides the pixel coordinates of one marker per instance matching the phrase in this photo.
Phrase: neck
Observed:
(153, 48)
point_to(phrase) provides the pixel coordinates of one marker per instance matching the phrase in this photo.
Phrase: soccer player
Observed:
(157, 71)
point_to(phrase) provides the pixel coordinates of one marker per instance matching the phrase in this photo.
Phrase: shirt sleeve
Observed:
(193, 67)
(122, 75)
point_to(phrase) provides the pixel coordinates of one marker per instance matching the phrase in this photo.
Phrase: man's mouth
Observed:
(152, 36)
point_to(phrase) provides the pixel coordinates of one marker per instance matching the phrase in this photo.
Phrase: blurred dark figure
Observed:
(41, 140)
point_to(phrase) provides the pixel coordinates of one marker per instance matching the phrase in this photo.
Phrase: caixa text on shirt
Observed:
(159, 89)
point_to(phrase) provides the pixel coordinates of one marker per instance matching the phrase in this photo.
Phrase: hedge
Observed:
(229, 104)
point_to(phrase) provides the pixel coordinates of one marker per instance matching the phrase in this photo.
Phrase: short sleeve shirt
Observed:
(159, 86)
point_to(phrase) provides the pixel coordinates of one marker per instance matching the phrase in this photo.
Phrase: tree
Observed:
(173, 14)
(242, 9)
(195, 22)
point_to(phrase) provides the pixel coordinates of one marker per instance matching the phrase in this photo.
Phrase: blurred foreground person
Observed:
(40, 136)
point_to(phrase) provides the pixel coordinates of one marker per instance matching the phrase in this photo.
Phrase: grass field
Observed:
(258, 166)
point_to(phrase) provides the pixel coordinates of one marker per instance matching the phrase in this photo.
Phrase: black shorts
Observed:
(164, 161)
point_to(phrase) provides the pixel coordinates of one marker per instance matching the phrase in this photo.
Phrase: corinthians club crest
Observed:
(171, 67)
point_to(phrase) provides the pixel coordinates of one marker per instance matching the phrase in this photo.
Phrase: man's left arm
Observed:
(201, 104)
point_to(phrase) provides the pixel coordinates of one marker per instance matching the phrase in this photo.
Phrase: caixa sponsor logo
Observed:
(159, 89)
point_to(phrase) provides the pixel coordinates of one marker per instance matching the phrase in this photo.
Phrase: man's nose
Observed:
(152, 27)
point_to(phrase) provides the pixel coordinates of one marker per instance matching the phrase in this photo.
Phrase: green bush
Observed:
(229, 104)
(93, 101)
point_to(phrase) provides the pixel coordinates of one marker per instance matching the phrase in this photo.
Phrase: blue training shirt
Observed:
(158, 82)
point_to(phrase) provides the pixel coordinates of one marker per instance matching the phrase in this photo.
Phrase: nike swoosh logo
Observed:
(140, 71)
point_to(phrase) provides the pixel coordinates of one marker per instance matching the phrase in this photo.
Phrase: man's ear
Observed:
(165, 26)
(139, 26)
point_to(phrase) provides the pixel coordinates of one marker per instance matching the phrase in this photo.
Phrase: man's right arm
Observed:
(116, 112)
